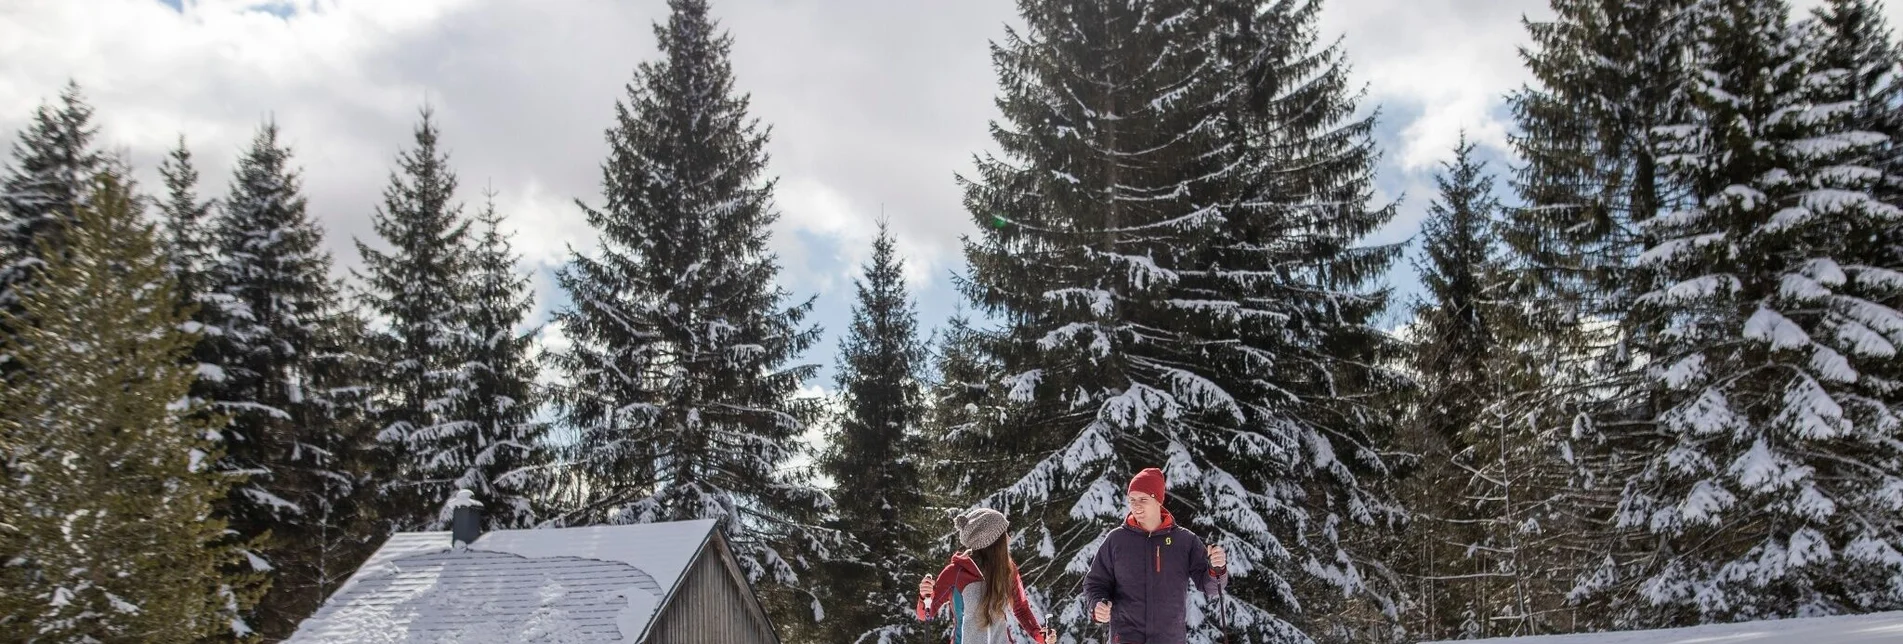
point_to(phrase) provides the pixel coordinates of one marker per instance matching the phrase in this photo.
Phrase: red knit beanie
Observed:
(1149, 481)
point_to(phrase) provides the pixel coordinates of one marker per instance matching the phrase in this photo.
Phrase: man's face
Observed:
(1145, 508)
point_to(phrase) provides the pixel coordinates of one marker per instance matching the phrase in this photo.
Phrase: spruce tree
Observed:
(53, 161)
(1171, 251)
(1607, 76)
(679, 382)
(1851, 36)
(417, 288)
(964, 426)
(1767, 486)
(492, 443)
(187, 239)
(1454, 341)
(280, 362)
(110, 530)
(1477, 551)
(874, 454)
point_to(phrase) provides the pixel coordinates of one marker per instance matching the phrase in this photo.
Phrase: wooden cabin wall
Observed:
(713, 605)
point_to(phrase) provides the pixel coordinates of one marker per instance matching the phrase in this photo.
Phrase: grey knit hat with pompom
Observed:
(980, 527)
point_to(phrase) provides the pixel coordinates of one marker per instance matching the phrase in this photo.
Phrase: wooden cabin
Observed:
(660, 583)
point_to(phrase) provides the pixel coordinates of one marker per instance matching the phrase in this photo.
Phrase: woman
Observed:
(979, 582)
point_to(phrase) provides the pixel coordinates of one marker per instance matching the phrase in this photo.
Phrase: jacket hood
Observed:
(967, 568)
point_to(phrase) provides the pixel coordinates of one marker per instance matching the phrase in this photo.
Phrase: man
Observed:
(1139, 578)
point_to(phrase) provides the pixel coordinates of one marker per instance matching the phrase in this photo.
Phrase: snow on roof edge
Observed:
(667, 595)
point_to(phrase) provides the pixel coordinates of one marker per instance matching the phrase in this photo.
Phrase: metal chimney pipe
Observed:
(465, 520)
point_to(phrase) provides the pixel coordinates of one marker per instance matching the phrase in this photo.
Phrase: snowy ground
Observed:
(1858, 629)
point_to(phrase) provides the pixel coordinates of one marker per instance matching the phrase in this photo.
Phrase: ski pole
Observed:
(1222, 612)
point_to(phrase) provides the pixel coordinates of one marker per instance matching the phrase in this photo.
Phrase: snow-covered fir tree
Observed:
(280, 358)
(1456, 339)
(964, 381)
(1171, 251)
(348, 518)
(679, 381)
(1851, 35)
(53, 161)
(1479, 551)
(415, 286)
(492, 440)
(110, 533)
(1606, 74)
(186, 233)
(874, 454)
(1768, 483)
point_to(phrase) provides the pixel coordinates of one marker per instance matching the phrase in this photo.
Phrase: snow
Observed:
(1023, 387)
(1770, 325)
(1787, 220)
(1831, 366)
(1802, 288)
(1865, 342)
(1697, 288)
(1137, 406)
(1810, 411)
(1879, 318)
(1848, 175)
(1873, 551)
(1760, 470)
(1879, 278)
(1685, 371)
(1826, 146)
(1743, 196)
(464, 499)
(120, 604)
(1709, 413)
(1672, 249)
(661, 549)
(1846, 629)
(1706, 503)
(1103, 499)
(210, 372)
(1099, 300)
(274, 502)
(634, 617)
(1834, 201)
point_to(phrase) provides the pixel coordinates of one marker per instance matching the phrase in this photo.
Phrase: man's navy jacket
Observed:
(1146, 577)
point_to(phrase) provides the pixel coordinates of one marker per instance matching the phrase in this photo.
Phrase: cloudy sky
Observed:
(874, 104)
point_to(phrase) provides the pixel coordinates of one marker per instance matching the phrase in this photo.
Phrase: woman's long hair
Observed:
(1001, 577)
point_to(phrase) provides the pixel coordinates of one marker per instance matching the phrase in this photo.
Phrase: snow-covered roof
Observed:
(594, 584)
(1844, 629)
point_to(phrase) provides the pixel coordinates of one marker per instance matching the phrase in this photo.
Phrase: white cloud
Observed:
(811, 207)
(872, 103)
(1455, 60)
(1452, 59)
